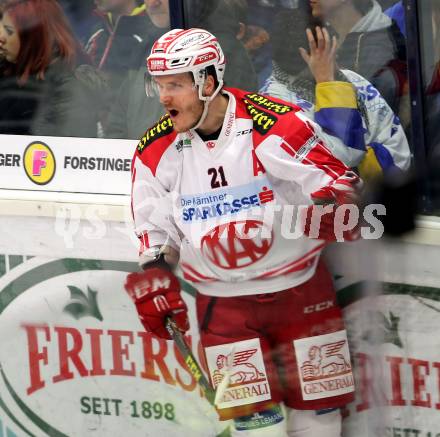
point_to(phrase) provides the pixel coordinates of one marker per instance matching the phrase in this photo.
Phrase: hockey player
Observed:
(216, 183)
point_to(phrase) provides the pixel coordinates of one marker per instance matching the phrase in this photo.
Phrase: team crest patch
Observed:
(263, 120)
(163, 127)
(243, 367)
(324, 365)
(263, 101)
(237, 244)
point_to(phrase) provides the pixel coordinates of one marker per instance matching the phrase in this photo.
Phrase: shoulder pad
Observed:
(160, 129)
(274, 105)
(265, 119)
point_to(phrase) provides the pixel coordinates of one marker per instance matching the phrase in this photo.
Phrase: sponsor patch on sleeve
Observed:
(163, 127)
(241, 362)
(324, 365)
(263, 120)
(272, 105)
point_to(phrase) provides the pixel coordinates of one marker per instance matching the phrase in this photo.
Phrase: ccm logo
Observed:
(146, 287)
(318, 307)
(161, 303)
(204, 58)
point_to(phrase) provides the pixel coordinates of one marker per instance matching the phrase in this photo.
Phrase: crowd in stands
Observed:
(46, 85)
(344, 103)
(77, 67)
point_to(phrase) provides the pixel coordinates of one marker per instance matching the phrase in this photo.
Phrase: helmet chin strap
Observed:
(206, 101)
(204, 114)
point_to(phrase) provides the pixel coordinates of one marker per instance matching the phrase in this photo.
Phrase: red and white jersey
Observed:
(229, 206)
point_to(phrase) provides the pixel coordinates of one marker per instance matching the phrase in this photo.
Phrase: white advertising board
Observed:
(65, 165)
(75, 361)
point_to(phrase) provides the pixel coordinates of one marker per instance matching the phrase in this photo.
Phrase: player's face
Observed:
(324, 8)
(179, 96)
(9, 39)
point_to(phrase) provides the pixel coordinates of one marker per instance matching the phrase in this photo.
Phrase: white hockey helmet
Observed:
(188, 51)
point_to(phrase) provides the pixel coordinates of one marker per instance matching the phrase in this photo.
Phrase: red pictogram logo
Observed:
(237, 244)
(325, 361)
(210, 144)
(242, 371)
(265, 195)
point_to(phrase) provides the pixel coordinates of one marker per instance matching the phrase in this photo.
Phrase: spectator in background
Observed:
(370, 44)
(432, 104)
(43, 88)
(220, 18)
(112, 47)
(432, 107)
(397, 13)
(159, 13)
(100, 42)
(132, 111)
(82, 17)
(255, 39)
(385, 4)
(361, 128)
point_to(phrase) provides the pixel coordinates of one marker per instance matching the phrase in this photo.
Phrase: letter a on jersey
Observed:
(256, 164)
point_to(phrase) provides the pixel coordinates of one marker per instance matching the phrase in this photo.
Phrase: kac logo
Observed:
(237, 244)
(39, 163)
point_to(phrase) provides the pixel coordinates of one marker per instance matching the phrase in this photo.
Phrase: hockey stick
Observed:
(191, 362)
(221, 388)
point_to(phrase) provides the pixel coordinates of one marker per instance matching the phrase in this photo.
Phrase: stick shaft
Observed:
(191, 362)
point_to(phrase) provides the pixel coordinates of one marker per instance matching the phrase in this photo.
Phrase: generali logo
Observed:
(242, 371)
(243, 367)
(324, 362)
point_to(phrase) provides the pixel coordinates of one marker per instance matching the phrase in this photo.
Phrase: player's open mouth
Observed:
(173, 112)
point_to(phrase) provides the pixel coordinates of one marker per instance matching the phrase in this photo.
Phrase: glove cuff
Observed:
(159, 262)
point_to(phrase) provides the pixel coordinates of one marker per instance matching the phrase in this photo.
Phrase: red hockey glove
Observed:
(156, 294)
(334, 216)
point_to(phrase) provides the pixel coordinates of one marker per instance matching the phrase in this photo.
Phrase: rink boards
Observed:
(75, 360)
